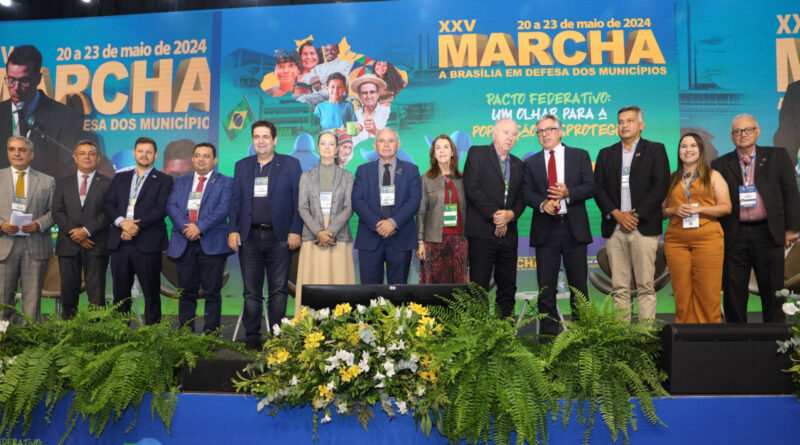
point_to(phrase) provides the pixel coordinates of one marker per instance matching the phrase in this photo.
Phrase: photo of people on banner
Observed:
(347, 92)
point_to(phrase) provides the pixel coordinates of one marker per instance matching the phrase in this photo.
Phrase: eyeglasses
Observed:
(545, 131)
(13, 81)
(747, 131)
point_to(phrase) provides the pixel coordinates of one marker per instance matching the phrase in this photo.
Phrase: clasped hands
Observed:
(385, 228)
(555, 194)
(11, 229)
(325, 239)
(501, 218)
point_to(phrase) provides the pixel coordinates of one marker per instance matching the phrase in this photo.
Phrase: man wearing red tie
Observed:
(556, 182)
(198, 209)
(82, 243)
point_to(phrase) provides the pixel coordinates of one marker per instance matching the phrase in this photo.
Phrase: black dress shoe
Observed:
(254, 344)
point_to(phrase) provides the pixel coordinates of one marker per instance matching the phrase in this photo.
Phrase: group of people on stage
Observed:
(725, 218)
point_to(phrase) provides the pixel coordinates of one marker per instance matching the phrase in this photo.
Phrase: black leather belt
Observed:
(560, 217)
(265, 227)
(753, 223)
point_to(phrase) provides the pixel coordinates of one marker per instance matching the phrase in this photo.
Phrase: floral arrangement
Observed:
(792, 309)
(349, 359)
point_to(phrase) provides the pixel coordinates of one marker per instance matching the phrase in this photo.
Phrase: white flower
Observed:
(276, 330)
(382, 301)
(345, 356)
(325, 419)
(790, 308)
(341, 408)
(379, 376)
(373, 303)
(294, 381)
(331, 386)
(399, 346)
(3, 326)
(322, 314)
(420, 391)
(409, 312)
(381, 351)
(11, 360)
(380, 384)
(285, 320)
(388, 366)
(329, 368)
(397, 313)
(364, 363)
(401, 406)
(399, 330)
(361, 308)
(413, 358)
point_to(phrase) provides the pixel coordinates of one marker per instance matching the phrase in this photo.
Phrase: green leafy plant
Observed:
(599, 363)
(108, 365)
(792, 346)
(350, 359)
(493, 379)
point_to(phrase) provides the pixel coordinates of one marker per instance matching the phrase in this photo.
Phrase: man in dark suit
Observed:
(82, 230)
(198, 208)
(53, 127)
(493, 184)
(764, 218)
(557, 181)
(386, 196)
(136, 204)
(264, 227)
(632, 179)
(788, 133)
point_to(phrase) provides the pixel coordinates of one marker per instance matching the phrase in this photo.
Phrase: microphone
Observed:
(22, 119)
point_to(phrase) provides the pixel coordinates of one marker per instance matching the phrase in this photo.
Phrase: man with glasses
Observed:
(53, 127)
(556, 182)
(632, 179)
(764, 218)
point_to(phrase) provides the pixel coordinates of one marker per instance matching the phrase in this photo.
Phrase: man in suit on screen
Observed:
(26, 196)
(82, 245)
(557, 181)
(136, 205)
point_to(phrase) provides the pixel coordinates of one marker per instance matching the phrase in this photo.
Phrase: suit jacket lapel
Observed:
(569, 173)
(641, 147)
(275, 172)
(495, 161)
(208, 187)
(541, 171)
(616, 163)
(337, 181)
(148, 181)
(33, 183)
(93, 186)
(760, 169)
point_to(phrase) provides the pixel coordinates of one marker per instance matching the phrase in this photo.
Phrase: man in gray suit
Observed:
(24, 250)
(82, 230)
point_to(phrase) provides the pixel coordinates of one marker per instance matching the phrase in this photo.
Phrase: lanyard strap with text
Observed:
(506, 178)
(747, 169)
(687, 186)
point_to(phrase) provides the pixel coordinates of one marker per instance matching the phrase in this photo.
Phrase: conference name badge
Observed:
(194, 201)
(747, 196)
(626, 177)
(131, 206)
(261, 187)
(693, 221)
(387, 195)
(325, 200)
(451, 215)
(19, 203)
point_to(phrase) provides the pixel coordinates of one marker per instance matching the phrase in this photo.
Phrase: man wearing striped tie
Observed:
(198, 209)
(25, 246)
(82, 243)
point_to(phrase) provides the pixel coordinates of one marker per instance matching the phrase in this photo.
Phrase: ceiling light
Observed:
(5, 3)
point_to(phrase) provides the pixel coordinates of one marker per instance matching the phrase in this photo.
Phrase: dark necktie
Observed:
(193, 213)
(386, 211)
(552, 173)
(23, 122)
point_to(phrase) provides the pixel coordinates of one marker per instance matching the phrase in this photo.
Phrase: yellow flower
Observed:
(325, 392)
(342, 309)
(299, 316)
(428, 375)
(313, 340)
(421, 331)
(418, 308)
(350, 373)
(427, 321)
(279, 356)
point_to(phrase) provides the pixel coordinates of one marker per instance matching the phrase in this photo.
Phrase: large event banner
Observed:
(740, 58)
(422, 68)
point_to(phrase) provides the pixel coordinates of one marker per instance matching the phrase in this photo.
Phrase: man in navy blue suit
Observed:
(264, 227)
(386, 196)
(556, 182)
(136, 204)
(198, 208)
